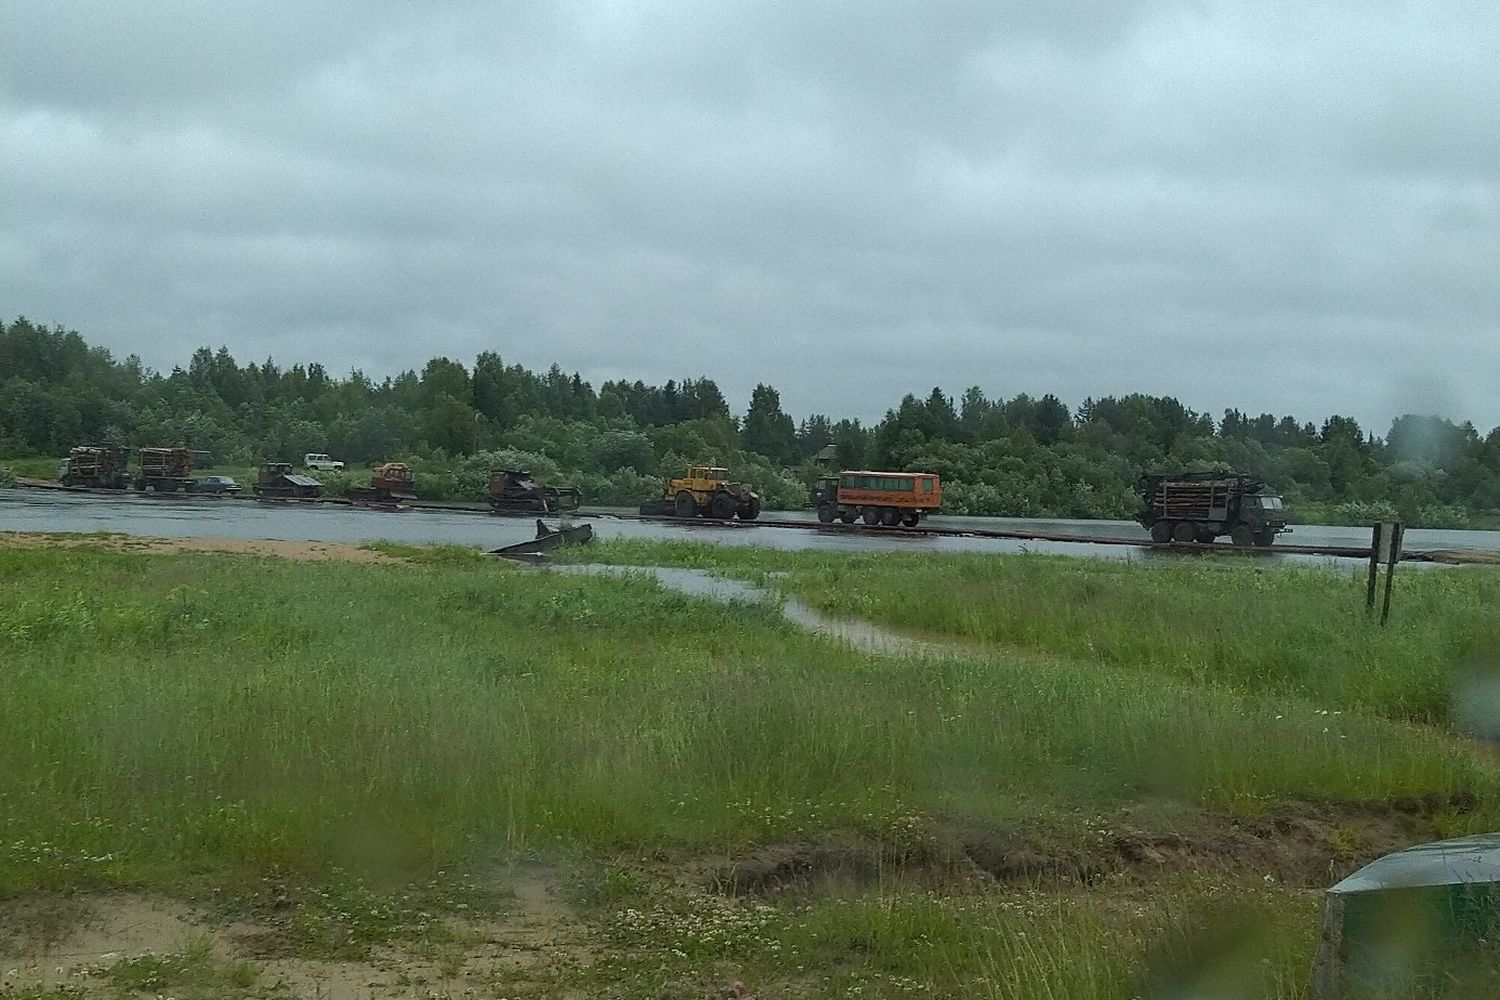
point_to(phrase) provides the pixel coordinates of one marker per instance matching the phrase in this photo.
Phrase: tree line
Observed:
(1024, 456)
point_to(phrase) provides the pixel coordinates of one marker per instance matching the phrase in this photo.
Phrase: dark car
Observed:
(217, 485)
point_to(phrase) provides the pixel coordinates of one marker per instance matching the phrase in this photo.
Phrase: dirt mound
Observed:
(775, 867)
(1303, 843)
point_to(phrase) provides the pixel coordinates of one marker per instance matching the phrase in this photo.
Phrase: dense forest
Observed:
(1024, 456)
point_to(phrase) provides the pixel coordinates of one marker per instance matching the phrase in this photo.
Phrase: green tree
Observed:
(450, 424)
(768, 431)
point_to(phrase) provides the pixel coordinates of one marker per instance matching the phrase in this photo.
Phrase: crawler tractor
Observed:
(277, 481)
(390, 483)
(516, 491)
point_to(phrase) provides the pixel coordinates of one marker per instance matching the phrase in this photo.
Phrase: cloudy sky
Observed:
(1288, 207)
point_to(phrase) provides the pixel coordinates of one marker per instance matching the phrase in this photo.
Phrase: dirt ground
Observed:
(296, 550)
(73, 942)
(535, 940)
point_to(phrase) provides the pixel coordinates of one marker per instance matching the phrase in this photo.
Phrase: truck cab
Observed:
(1265, 515)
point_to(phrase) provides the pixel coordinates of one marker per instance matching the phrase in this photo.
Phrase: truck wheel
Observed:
(750, 511)
(890, 517)
(912, 519)
(1241, 535)
(1184, 531)
(1161, 531)
(722, 506)
(684, 505)
(1264, 539)
(848, 516)
(1206, 536)
(870, 515)
(827, 514)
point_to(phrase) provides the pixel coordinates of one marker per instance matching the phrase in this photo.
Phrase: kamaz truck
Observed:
(1200, 507)
(95, 466)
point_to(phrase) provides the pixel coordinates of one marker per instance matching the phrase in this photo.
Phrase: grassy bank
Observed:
(226, 727)
(1230, 622)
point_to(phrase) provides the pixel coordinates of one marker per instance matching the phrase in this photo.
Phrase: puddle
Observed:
(858, 634)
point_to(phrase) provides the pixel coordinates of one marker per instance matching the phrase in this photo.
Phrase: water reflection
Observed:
(34, 510)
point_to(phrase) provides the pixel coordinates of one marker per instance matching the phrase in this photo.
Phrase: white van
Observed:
(320, 462)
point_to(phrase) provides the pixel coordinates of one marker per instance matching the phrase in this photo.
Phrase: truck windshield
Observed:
(1271, 503)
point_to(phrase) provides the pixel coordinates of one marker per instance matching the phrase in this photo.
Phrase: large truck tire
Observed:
(912, 519)
(848, 516)
(1161, 531)
(749, 510)
(870, 515)
(1206, 536)
(1264, 539)
(1184, 531)
(722, 506)
(826, 514)
(1241, 535)
(684, 505)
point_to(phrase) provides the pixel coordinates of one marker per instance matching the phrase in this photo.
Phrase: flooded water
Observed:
(859, 634)
(205, 517)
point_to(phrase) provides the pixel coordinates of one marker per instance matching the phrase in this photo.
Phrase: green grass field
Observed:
(1217, 622)
(1072, 806)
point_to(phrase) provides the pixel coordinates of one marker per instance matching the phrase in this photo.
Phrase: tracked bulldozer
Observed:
(516, 491)
(390, 484)
(277, 481)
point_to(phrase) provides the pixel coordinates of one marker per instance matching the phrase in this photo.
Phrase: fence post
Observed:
(1397, 530)
(1374, 565)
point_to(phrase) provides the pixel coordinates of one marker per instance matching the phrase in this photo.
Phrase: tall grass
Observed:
(1297, 630)
(166, 717)
(203, 722)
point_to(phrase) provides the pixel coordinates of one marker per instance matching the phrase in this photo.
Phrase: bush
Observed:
(7, 476)
(1440, 516)
(1363, 512)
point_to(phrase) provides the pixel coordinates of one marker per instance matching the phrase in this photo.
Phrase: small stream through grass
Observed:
(858, 634)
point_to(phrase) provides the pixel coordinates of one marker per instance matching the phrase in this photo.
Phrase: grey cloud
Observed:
(1280, 208)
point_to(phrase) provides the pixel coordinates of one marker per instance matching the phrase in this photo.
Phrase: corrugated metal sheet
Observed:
(1442, 862)
(1418, 922)
(296, 480)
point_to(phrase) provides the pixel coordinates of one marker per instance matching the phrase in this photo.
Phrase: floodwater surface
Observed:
(855, 632)
(207, 517)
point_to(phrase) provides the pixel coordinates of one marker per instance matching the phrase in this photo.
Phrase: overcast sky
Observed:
(1286, 207)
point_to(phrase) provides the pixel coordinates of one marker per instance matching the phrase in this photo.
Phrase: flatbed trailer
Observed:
(1447, 556)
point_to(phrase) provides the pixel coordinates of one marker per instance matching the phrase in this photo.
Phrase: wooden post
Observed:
(1397, 530)
(1374, 565)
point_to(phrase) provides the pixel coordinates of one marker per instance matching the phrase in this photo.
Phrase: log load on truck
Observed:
(164, 470)
(516, 491)
(705, 491)
(1199, 507)
(95, 466)
(888, 498)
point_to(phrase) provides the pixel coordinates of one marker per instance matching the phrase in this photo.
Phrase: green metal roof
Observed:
(1441, 862)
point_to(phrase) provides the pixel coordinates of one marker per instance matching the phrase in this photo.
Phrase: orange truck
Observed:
(888, 498)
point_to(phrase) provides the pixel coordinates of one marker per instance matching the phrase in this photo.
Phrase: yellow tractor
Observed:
(706, 490)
